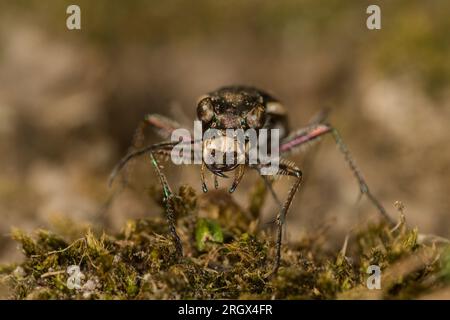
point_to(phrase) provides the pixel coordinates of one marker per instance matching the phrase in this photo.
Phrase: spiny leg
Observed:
(289, 169)
(363, 187)
(317, 118)
(310, 133)
(164, 126)
(168, 200)
(164, 147)
(161, 148)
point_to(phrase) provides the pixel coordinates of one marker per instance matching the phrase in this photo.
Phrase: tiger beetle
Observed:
(243, 107)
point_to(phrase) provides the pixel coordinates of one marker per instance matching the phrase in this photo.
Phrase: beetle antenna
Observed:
(363, 187)
(121, 164)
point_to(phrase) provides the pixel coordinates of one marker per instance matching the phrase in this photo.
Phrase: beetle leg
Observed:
(289, 169)
(168, 200)
(239, 173)
(164, 126)
(281, 218)
(315, 131)
(163, 148)
(319, 117)
(363, 187)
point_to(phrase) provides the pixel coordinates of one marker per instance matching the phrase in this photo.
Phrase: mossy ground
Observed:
(226, 256)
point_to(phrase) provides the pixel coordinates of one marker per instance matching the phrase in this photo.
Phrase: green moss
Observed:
(207, 232)
(224, 258)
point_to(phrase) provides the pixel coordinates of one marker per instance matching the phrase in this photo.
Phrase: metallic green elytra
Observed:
(207, 232)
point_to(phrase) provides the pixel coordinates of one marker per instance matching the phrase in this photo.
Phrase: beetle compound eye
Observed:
(255, 118)
(205, 110)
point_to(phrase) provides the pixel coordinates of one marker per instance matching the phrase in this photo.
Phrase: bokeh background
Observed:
(70, 101)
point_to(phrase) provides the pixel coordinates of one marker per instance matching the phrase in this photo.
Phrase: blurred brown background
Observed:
(70, 101)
